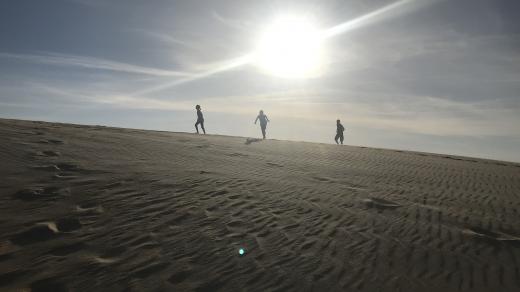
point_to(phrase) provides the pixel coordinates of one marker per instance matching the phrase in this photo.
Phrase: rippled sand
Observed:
(86, 208)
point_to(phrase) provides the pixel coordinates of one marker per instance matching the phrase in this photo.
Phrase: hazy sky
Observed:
(435, 76)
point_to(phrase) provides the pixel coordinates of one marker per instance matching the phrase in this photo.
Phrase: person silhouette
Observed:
(200, 120)
(339, 132)
(263, 121)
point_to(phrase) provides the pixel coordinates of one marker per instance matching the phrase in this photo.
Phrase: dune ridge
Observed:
(92, 208)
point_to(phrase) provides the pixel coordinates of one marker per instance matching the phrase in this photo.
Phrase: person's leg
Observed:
(263, 130)
(202, 126)
(336, 138)
(341, 138)
(197, 126)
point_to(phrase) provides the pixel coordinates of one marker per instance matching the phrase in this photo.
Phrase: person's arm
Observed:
(256, 119)
(267, 119)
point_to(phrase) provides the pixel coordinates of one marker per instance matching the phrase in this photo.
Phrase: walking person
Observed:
(200, 120)
(339, 132)
(263, 121)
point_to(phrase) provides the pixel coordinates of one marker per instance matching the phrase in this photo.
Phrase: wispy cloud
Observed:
(166, 38)
(230, 22)
(211, 70)
(80, 96)
(383, 13)
(92, 63)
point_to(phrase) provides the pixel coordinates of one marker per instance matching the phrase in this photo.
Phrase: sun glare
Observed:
(291, 47)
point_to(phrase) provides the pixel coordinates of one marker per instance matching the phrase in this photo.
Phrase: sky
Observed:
(425, 75)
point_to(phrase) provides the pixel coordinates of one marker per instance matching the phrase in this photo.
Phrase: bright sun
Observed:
(291, 47)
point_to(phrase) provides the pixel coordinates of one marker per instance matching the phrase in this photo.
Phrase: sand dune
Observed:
(90, 208)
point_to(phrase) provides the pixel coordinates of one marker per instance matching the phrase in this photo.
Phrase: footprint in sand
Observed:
(31, 194)
(104, 261)
(452, 158)
(322, 179)
(308, 244)
(66, 166)
(274, 164)
(38, 233)
(47, 167)
(491, 236)
(50, 141)
(58, 167)
(213, 208)
(149, 270)
(380, 204)
(114, 185)
(48, 153)
(45, 230)
(89, 209)
(64, 176)
(68, 224)
(55, 141)
(236, 154)
(252, 140)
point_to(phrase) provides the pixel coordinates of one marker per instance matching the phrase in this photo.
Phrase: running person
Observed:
(200, 120)
(263, 121)
(339, 132)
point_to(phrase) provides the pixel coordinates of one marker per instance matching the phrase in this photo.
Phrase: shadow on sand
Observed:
(252, 140)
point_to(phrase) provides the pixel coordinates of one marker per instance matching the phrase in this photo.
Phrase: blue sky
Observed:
(435, 76)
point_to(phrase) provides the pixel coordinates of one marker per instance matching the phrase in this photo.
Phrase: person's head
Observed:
(337, 121)
(261, 112)
(197, 107)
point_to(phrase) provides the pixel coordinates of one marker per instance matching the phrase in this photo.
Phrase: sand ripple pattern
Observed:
(106, 209)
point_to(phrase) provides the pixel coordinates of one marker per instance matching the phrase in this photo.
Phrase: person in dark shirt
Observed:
(200, 120)
(263, 121)
(339, 132)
